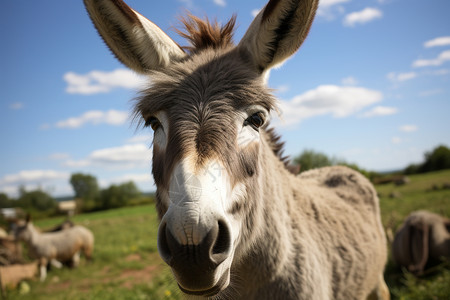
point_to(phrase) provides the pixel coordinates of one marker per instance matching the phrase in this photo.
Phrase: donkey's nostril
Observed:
(208, 254)
(222, 243)
(163, 246)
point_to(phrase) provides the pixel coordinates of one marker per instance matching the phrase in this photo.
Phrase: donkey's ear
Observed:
(28, 218)
(419, 248)
(135, 41)
(278, 31)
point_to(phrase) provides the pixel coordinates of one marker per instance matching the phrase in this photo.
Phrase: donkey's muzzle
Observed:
(195, 266)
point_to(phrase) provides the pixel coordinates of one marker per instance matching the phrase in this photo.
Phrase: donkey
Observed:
(56, 247)
(423, 239)
(234, 222)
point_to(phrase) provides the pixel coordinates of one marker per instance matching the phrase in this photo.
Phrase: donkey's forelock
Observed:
(203, 34)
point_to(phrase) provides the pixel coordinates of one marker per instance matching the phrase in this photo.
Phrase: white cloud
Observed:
(379, 111)
(440, 72)
(338, 101)
(102, 82)
(440, 41)
(429, 93)
(361, 17)
(122, 157)
(145, 138)
(398, 77)
(328, 3)
(32, 176)
(281, 89)
(349, 81)
(443, 57)
(110, 117)
(396, 140)
(16, 105)
(49, 180)
(188, 3)
(408, 128)
(45, 126)
(220, 3)
(255, 12)
(329, 8)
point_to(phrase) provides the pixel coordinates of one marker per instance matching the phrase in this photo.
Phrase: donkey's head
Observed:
(209, 110)
(22, 229)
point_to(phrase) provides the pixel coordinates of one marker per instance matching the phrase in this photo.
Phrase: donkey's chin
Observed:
(205, 286)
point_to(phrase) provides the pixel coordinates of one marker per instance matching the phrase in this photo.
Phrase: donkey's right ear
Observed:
(419, 244)
(134, 40)
(28, 218)
(278, 31)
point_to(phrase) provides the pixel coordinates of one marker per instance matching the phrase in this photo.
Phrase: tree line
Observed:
(434, 160)
(88, 196)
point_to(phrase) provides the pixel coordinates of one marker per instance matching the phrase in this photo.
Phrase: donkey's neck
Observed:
(34, 234)
(273, 221)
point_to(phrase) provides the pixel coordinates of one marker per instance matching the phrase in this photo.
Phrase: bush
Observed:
(438, 159)
(86, 191)
(118, 195)
(5, 202)
(36, 200)
(310, 159)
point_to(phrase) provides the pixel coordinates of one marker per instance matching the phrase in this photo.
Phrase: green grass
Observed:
(416, 195)
(127, 266)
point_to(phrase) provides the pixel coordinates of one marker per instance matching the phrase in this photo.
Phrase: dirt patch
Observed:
(106, 270)
(149, 268)
(133, 277)
(133, 257)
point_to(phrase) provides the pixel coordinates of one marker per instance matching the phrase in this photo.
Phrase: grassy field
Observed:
(126, 263)
(127, 266)
(424, 191)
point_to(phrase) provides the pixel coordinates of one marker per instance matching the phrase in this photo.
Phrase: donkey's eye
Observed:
(153, 123)
(256, 120)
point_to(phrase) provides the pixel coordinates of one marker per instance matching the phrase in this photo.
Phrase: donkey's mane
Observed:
(278, 148)
(203, 34)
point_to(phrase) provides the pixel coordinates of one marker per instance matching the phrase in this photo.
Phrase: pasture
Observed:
(127, 265)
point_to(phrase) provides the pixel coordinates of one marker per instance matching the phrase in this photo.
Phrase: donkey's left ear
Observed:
(278, 31)
(28, 218)
(134, 40)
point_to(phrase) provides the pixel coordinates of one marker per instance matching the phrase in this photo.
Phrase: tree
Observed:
(38, 200)
(5, 202)
(86, 188)
(310, 159)
(118, 195)
(438, 159)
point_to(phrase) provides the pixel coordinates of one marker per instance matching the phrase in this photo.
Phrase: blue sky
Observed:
(371, 84)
